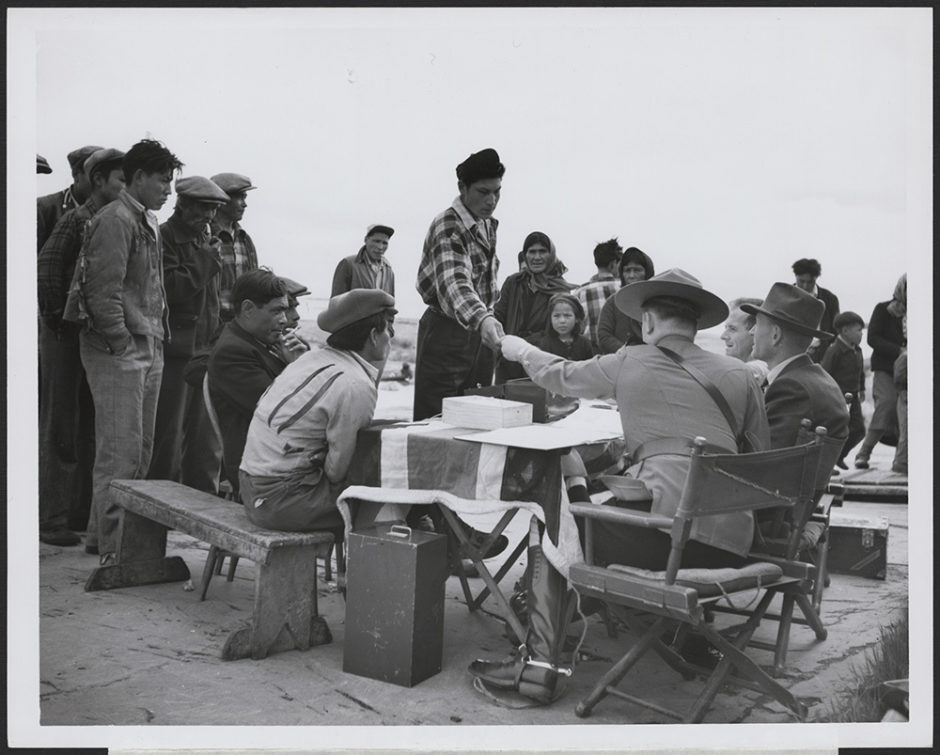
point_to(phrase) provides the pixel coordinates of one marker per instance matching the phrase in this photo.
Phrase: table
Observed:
(426, 463)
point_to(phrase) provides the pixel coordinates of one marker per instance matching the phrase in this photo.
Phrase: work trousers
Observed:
(186, 447)
(450, 359)
(66, 432)
(125, 388)
(856, 427)
(300, 503)
(884, 420)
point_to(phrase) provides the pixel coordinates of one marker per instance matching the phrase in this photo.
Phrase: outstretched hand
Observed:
(514, 348)
(491, 331)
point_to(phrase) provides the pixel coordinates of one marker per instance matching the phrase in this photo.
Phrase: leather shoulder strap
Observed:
(702, 379)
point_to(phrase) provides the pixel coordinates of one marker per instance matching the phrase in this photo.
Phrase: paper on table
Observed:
(544, 437)
(600, 417)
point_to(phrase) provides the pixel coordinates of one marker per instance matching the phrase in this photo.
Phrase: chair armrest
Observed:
(791, 568)
(618, 515)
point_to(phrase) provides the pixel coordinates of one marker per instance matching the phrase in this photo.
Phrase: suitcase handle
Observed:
(399, 530)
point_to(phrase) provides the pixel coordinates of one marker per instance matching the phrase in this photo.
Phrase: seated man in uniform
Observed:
(302, 435)
(663, 407)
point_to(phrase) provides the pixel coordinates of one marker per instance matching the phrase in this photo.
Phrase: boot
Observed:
(535, 672)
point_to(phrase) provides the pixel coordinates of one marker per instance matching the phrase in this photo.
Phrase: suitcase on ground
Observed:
(858, 545)
(395, 604)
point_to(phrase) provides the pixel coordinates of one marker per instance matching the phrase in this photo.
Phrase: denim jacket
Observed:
(117, 289)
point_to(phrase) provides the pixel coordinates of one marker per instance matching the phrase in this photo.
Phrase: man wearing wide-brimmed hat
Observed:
(185, 446)
(302, 435)
(663, 405)
(797, 388)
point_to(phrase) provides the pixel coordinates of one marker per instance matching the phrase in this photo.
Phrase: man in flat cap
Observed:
(648, 381)
(185, 447)
(52, 206)
(797, 388)
(458, 335)
(118, 296)
(292, 338)
(42, 164)
(368, 268)
(66, 411)
(238, 250)
(805, 273)
(315, 408)
(249, 354)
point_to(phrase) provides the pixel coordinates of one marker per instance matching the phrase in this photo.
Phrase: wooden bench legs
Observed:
(285, 610)
(141, 558)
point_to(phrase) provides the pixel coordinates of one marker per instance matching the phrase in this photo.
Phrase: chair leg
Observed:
(327, 565)
(783, 633)
(232, 563)
(822, 575)
(208, 571)
(812, 618)
(340, 559)
(220, 558)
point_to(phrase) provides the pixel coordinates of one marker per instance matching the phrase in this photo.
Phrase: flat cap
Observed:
(480, 166)
(847, 318)
(353, 306)
(42, 164)
(202, 189)
(233, 183)
(294, 288)
(378, 228)
(101, 156)
(78, 156)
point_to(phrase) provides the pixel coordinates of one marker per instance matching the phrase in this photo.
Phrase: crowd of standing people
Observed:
(167, 352)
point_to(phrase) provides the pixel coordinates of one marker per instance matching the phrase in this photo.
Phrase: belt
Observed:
(675, 446)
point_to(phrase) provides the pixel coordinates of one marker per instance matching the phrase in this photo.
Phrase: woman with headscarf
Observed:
(886, 338)
(522, 307)
(615, 329)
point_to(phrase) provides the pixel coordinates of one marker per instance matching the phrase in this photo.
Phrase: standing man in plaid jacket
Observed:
(458, 335)
(604, 284)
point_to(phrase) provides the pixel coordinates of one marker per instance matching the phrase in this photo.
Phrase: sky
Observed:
(728, 142)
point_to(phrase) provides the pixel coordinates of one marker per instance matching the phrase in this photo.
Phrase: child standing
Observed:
(843, 360)
(563, 330)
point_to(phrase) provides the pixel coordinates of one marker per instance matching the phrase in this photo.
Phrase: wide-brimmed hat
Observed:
(792, 308)
(353, 306)
(678, 284)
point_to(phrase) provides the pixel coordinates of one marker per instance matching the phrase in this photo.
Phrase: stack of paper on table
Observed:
(484, 412)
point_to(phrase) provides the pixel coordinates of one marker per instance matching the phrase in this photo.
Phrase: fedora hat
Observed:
(792, 308)
(677, 283)
(353, 306)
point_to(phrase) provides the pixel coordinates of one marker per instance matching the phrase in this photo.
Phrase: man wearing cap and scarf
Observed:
(663, 408)
(797, 388)
(368, 268)
(186, 448)
(238, 250)
(303, 432)
(458, 335)
(117, 293)
(52, 206)
(66, 411)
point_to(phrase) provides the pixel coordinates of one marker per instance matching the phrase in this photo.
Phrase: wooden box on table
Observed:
(395, 604)
(485, 412)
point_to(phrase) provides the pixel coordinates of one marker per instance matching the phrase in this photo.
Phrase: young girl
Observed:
(563, 329)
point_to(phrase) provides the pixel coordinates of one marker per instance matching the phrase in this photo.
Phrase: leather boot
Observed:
(535, 673)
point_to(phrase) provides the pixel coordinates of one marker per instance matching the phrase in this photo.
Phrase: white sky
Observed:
(728, 142)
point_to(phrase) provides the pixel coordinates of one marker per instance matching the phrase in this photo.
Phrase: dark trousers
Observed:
(185, 447)
(66, 432)
(856, 427)
(450, 359)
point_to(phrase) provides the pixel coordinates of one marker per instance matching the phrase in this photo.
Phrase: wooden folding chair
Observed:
(652, 602)
(805, 540)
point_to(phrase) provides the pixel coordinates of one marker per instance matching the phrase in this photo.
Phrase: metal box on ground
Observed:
(858, 545)
(395, 604)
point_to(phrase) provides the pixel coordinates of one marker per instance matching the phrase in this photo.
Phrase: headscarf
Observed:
(551, 281)
(898, 304)
(632, 254)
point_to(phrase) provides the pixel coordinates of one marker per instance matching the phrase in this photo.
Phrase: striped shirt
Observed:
(309, 417)
(457, 274)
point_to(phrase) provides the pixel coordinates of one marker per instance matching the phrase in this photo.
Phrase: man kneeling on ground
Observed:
(302, 435)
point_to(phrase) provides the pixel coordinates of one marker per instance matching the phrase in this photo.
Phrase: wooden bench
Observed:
(285, 606)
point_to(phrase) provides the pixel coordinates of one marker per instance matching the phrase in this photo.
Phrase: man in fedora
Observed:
(302, 435)
(186, 448)
(238, 250)
(663, 407)
(368, 268)
(52, 206)
(797, 388)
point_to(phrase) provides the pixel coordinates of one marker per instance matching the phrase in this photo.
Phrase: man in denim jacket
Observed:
(117, 294)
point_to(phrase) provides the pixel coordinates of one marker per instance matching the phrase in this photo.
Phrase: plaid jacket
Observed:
(457, 274)
(593, 295)
(57, 258)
